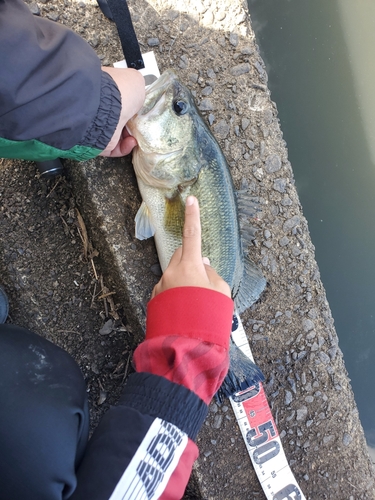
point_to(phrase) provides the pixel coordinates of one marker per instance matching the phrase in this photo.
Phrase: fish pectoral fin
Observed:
(144, 227)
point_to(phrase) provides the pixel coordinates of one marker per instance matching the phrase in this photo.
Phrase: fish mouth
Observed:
(156, 91)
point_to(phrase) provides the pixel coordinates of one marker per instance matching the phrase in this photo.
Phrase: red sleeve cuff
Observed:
(191, 312)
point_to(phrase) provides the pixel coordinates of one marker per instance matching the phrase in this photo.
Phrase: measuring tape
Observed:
(260, 433)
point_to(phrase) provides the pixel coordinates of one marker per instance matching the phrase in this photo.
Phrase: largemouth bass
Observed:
(178, 156)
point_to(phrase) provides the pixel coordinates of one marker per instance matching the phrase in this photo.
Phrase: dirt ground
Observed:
(53, 288)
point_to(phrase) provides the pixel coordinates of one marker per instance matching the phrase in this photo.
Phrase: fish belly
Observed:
(167, 238)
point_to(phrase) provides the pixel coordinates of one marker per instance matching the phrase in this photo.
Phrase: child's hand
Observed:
(131, 85)
(187, 267)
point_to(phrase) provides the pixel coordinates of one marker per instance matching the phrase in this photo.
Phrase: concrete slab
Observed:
(212, 47)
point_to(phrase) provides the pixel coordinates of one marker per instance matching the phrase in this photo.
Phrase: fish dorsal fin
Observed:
(248, 207)
(252, 285)
(144, 227)
(253, 282)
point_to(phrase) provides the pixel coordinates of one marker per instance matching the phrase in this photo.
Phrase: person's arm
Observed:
(145, 446)
(55, 99)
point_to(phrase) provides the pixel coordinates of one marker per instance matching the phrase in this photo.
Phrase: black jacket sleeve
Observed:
(52, 87)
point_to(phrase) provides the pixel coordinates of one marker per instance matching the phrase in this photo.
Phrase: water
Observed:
(320, 60)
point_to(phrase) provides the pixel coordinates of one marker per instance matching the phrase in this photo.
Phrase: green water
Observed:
(320, 57)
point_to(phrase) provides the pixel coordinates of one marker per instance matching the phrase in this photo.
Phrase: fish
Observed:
(177, 156)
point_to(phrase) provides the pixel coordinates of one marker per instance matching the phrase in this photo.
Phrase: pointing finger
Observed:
(191, 237)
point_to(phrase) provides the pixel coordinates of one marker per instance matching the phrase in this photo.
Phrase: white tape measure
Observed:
(260, 433)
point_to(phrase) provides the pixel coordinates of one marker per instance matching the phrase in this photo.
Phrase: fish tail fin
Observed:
(243, 373)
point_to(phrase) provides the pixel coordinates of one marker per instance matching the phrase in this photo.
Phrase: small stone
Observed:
(217, 421)
(102, 397)
(247, 51)
(309, 399)
(207, 91)
(324, 358)
(291, 223)
(213, 441)
(184, 62)
(311, 335)
(250, 145)
(309, 423)
(207, 453)
(328, 439)
(245, 122)
(206, 105)
(308, 325)
(332, 352)
(313, 313)
(53, 16)
(284, 241)
(233, 39)
(288, 398)
(221, 41)
(291, 416)
(241, 18)
(347, 439)
(173, 14)
(214, 408)
(273, 163)
(221, 129)
(280, 185)
(211, 118)
(220, 15)
(208, 18)
(156, 269)
(286, 201)
(268, 116)
(153, 42)
(258, 173)
(296, 250)
(193, 77)
(240, 69)
(302, 413)
(107, 328)
(267, 234)
(34, 8)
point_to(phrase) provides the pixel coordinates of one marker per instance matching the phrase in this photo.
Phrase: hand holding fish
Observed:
(131, 85)
(187, 267)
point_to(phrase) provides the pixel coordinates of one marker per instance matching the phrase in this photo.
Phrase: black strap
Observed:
(130, 46)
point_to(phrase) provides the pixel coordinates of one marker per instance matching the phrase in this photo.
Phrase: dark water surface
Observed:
(320, 57)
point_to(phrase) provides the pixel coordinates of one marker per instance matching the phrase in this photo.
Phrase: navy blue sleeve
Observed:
(143, 448)
(52, 87)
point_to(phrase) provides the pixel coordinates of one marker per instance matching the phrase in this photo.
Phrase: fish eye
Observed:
(180, 107)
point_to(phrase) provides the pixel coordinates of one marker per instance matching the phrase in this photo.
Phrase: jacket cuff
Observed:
(191, 312)
(158, 397)
(105, 122)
